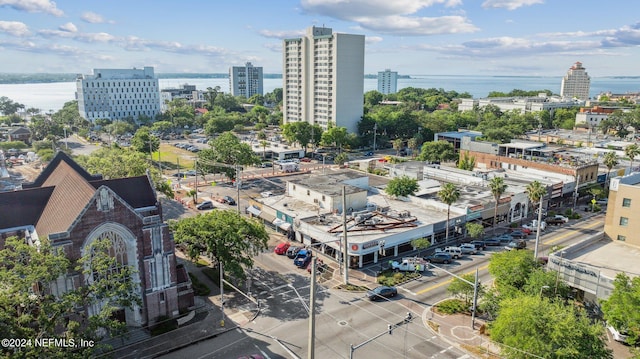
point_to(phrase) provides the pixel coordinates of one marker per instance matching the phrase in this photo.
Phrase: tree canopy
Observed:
(621, 308)
(511, 269)
(225, 152)
(437, 151)
(402, 186)
(224, 235)
(29, 310)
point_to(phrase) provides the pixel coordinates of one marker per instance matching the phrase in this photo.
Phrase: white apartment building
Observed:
(323, 78)
(387, 81)
(246, 80)
(575, 84)
(118, 93)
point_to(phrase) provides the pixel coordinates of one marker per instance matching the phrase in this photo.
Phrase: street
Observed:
(344, 318)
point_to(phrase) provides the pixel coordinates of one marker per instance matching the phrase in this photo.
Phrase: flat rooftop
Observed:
(610, 257)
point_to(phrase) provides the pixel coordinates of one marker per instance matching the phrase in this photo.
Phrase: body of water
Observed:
(52, 96)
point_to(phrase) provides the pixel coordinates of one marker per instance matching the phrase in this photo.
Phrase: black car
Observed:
(480, 245)
(292, 252)
(205, 205)
(229, 200)
(494, 242)
(440, 257)
(382, 292)
(518, 234)
(516, 244)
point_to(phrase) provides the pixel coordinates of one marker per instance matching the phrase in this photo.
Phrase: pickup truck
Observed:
(408, 265)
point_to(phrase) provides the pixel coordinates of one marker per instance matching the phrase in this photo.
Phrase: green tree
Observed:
(448, 194)
(143, 141)
(467, 162)
(397, 145)
(621, 308)
(226, 152)
(536, 191)
(8, 106)
(533, 326)
(341, 159)
(298, 132)
(412, 144)
(632, 151)
(162, 126)
(115, 162)
(498, 187)
(29, 310)
(420, 244)
(463, 290)
(372, 98)
(402, 186)
(336, 136)
(224, 235)
(438, 151)
(610, 160)
(475, 230)
(511, 269)
(210, 95)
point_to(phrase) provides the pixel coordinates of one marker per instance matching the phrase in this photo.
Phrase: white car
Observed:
(561, 217)
(533, 226)
(617, 336)
(454, 252)
(468, 248)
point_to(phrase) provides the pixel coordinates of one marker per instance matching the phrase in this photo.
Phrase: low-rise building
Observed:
(622, 222)
(542, 102)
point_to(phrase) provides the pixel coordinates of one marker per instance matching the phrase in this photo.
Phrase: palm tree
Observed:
(264, 144)
(448, 194)
(632, 151)
(610, 160)
(498, 187)
(412, 143)
(536, 191)
(397, 145)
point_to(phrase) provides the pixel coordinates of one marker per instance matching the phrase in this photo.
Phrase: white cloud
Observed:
(394, 17)
(281, 34)
(510, 4)
(93, 18)
(101, 37)
(372, 39)
(45, 6)
(68, 27)
(418, 26)
(14, 28)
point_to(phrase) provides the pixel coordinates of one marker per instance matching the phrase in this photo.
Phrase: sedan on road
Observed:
(281, 248)
(440, 257)
(205, 205)
(382, 292)
(468, 248)
(518, 234)
(494, 242)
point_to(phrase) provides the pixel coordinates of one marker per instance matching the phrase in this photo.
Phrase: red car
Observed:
(281, 248)
(527, 231)
(305, 159)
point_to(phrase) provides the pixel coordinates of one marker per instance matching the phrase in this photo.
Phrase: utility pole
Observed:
(535, 251)
(575, 194)
(345, 248)
(238, 185)
(196, 185)
(221, 292)
(312, 311)
(375, 132)
(475, 301)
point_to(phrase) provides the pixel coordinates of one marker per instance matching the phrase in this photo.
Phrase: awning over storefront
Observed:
(285, 226)
(254, 210)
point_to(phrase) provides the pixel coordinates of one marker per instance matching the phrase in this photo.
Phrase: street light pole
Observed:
(345, 248)
(312, 311)
(535, 251)
(375, 132)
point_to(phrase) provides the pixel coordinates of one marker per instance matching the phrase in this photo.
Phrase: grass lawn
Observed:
(170, 154)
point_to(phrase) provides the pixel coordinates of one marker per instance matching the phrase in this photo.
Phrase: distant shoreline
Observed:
(36, 78)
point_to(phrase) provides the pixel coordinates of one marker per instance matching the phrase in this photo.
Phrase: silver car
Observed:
(468, 248)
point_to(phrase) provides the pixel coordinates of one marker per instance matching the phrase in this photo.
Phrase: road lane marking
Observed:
(571, 232)
(448, 281)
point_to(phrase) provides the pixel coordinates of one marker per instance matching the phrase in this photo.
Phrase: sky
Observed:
(412, 37)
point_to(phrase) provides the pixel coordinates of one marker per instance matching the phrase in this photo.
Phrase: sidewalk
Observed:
(456, 329)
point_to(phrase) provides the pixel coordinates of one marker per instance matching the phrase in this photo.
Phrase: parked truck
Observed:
(409, 265)
(289, 167)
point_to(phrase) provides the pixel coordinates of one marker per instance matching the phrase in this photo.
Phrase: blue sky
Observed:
(430, 37)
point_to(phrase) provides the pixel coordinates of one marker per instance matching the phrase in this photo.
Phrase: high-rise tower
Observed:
(575, 84)
(245, 81)
(387, 82)
(323, 78)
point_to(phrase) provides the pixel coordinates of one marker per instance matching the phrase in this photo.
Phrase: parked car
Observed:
(602, 201)
(516, 244)
(617, 335)
(281, 248)
(305, 159)
(468, 248)
(533, 226)
(368, 154)
(292, 252)
(505, 237)
(455, 252)
(302, 258)
(205, 205)
(266, 164)
(480, 245)
(493, 241)
(555, 221)
(229, 200)
(180, 174)
(561, 217)
(439, 257)
(526, 231)
(252, 356)
(382, 292)
(518, 234)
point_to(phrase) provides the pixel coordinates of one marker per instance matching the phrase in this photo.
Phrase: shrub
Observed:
(452, 306)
